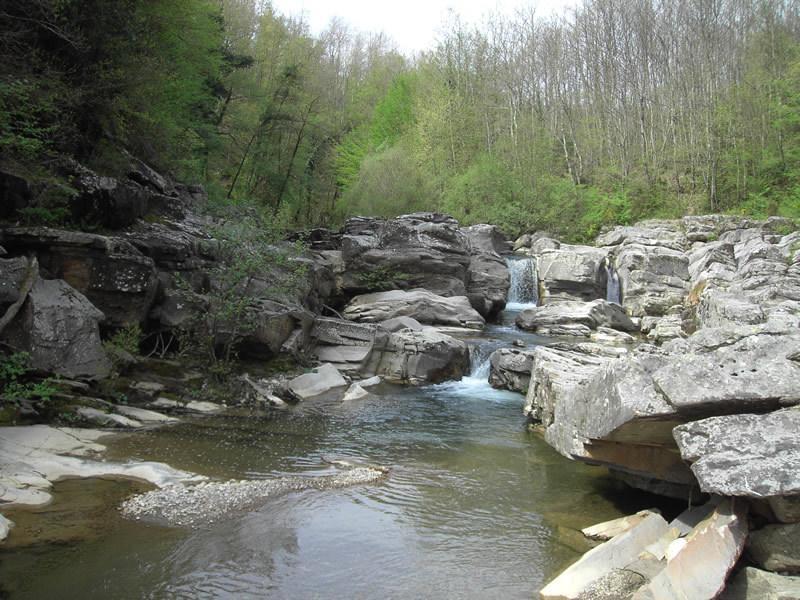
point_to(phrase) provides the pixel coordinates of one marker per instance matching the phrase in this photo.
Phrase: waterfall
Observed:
(524, 290)
(479, 365)
(613, 292)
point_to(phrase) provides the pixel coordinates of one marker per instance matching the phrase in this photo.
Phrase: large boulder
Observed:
(754, 584)
(420, 304)
(487, 283)
(572, 273)
(652, 278)
(319, 381)
(109, 271)
(511, 369)
(58, 327)
(574, 318)
(745, 454)
(420, 250)
(418, 357)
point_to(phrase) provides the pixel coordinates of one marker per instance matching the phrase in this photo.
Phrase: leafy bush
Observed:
(13, 371)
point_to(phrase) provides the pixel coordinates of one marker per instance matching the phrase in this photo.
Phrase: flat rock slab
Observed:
(617, 553)
(700, 566)
(144, 415)
(321, 380)
(197, 406)
(744, 455)
(609, 529)
(32, 458)
(98, 417)
(421, 305)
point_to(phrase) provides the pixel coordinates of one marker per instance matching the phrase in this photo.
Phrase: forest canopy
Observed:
(614, 111)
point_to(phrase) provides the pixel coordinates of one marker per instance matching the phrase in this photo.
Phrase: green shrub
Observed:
(13, 385)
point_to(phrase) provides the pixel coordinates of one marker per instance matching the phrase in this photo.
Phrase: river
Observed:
(475, 506)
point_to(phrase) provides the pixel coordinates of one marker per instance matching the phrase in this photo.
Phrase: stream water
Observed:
(475, 506)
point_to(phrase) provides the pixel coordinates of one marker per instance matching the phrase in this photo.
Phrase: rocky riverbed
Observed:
(668, 352)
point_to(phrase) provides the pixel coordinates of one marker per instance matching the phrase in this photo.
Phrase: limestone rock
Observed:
(572, 273)
(400, 323)
(744, 455)
(58, 326)
(355, 392)
(33, 457)
(511, 369)
(774, 548)
(617, 553)
(754, 584)
(419, 304)
(321, 380)
(555, 317)
(419, 357)
(706, 557)
(610, 529)
(144, 415)
(653, 278)
(98, 417)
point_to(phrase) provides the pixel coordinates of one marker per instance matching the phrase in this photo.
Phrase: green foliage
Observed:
(13, 385)
(381, 279)
(254, 265)
(126, 339)
(389, 183)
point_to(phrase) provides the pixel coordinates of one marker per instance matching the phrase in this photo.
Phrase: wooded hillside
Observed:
(619, 110)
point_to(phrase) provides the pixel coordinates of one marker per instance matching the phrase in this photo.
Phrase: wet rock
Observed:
(754, 584)
(419, 357)
(705, 557)
(59, 328)
(5, 527)
(617, 553)
(571, 273)
(321, 380)
(197, 406)
(98, 417)
(609, 529)
(355, 392)
(557, 318)
(419, 304)
(32, 458)
(744, 455)
(143, 415)
(774, 548)
(488, 281)
(511, 369)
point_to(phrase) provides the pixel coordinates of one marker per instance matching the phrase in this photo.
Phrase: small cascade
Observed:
(479, 365)
(613, 292)
(524, 289)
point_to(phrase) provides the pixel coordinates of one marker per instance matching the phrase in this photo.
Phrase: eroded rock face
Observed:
(421, 305)
(746, 454)
(421, 250)
(59, 328)
(110, 272)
